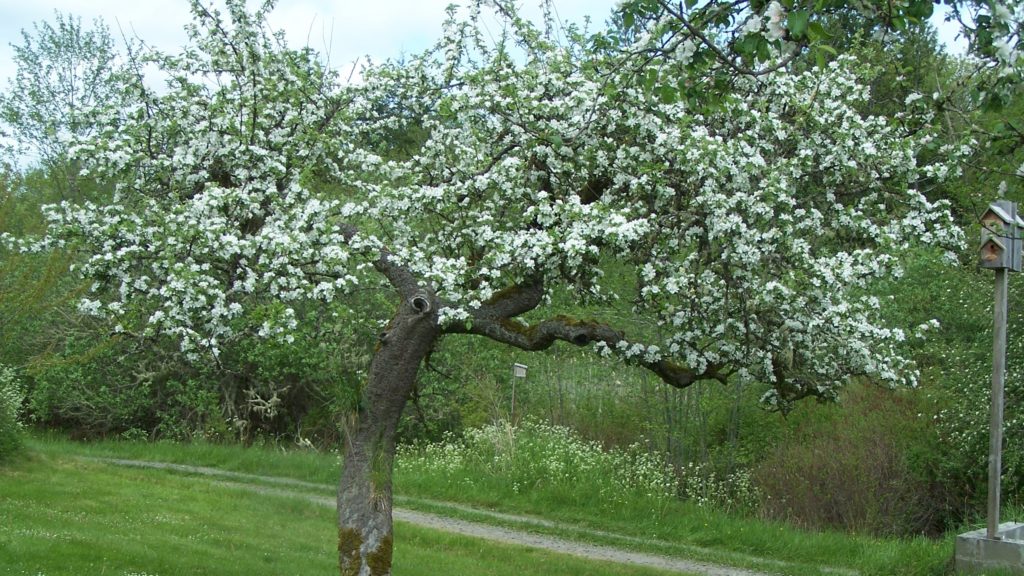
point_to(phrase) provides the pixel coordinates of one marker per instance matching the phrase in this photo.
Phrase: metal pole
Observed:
(996, 418)
(512, 415)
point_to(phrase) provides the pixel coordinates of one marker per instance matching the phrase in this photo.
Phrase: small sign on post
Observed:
(518, 371)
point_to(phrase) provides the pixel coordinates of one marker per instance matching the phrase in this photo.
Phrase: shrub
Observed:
(86, 391)
(260, 389)
(956, 370)
(11, 396)
(864, 466)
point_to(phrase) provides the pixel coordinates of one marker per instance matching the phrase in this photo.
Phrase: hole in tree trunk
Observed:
(421, 304)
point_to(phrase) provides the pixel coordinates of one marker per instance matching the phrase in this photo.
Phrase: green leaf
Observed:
(667, 94)
(816, 32)
(920, 9)
(796, 22)
(821, 54)
(763, 50)
(650, 79)
(747, 44)
(983, 39)
(993, 102)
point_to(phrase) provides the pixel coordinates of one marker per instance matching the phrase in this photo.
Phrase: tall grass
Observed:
(549, 471)
(539, 461)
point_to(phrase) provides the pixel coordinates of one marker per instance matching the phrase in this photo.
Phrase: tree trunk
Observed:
(364, 492)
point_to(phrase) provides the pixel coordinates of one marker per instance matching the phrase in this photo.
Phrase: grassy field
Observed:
(93, 515)
(64, 516)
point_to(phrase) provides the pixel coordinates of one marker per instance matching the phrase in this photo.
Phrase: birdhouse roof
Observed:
(999, 213)
(994, 240)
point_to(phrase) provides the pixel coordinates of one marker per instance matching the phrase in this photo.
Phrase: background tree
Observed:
(64, 73)
(749, 224)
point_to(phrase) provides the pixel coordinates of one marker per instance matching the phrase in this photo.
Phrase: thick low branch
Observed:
(512, 301)
(544, 334)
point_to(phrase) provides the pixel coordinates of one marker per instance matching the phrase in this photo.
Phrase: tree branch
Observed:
(407, 284)
(512, 301)
(720, 54)
(543, 335)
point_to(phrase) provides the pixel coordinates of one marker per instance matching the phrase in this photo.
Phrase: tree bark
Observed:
(365, 534)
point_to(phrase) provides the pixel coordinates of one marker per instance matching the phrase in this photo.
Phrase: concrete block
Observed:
(976, 553)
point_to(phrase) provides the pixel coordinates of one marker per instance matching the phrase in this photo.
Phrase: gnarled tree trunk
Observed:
(364, 493)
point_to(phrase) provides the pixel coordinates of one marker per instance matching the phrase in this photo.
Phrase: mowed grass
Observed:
(64, 516)
(306, 465)
(692, 532)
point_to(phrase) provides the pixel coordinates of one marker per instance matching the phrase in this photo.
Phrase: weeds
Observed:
(541, 458)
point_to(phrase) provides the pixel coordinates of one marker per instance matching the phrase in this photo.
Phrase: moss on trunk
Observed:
(379, 560)
(349, 542)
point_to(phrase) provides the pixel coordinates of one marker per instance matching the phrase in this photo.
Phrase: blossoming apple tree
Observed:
(748, 226)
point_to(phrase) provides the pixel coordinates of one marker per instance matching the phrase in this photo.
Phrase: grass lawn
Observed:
(63, 516)
(679, 529)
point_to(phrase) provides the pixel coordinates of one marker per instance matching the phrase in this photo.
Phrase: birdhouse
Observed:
(1001, 245)
(519, 370)
(992, 253)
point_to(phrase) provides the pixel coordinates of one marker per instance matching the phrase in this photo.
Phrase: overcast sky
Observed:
(345, 29)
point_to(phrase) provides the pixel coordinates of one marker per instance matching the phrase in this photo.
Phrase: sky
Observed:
(346, 30)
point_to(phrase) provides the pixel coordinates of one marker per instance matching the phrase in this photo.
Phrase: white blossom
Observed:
(775, 28)
(752, 25)
(559, 169)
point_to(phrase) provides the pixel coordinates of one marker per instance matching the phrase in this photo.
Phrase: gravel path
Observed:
(573, 548)
(287, 486)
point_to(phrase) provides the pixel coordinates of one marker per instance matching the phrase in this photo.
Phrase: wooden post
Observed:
(1001, 252)
(995, 465)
